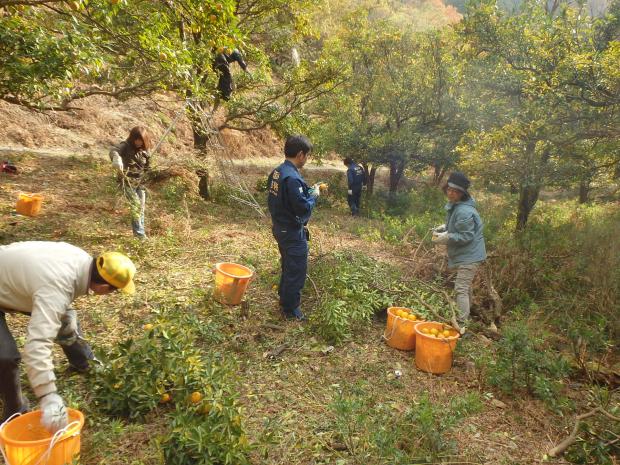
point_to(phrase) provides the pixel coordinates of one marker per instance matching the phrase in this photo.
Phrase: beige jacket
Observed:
(42, 279)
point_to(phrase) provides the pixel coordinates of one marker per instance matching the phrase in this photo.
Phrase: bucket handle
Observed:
(394, 321)
(55, 440)
(15, 415)
(237, 278)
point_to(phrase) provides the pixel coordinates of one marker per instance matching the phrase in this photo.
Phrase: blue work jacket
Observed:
(355, 176)
(289, 200)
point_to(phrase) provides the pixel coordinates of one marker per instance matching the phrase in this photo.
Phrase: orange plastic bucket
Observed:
(434, 355)
(400, 332)
(231, 281)
(26, 442)
(29, 204)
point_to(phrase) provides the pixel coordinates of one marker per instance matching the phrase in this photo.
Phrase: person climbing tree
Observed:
(131, 159)
(221, 64)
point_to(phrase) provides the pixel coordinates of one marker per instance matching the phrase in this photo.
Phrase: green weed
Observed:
(376, 433)
(524, 362)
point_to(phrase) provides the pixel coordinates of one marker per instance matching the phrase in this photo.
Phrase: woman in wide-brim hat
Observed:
(463, 235)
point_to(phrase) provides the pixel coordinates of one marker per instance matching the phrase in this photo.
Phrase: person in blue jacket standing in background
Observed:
(462, 233)
(356, 180)
(290, 203)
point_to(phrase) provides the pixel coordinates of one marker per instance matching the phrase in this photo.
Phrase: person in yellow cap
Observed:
(42, 279)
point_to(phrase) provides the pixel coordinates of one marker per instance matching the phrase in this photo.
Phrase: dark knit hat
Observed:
(459, 181)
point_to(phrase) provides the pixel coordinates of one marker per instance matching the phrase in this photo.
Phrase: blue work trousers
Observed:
(354, 200)
(293, 246)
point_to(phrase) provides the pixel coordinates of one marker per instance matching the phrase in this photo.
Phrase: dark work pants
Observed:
(293, 247)
(354, 201)
(78, 353)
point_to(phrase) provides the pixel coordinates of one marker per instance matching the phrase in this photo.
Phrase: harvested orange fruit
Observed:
(165, 398)
(196, 397)
(434, 331)
(412, 317)
(424, 330)
(446, 333)
(147, 327)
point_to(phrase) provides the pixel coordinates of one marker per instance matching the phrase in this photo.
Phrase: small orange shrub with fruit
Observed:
(165, 368)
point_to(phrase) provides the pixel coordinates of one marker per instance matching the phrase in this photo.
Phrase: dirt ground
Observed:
(291, 391)
(102, 121)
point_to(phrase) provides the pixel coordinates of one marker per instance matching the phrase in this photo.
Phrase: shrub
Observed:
(166, 366)
(597, 440)
(207, 432)
(524, 362)
(261, 184)
(350, 299)
(165, 359)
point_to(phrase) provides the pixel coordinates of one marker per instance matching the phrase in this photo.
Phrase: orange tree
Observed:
(398, 103)
(542, 96)
(54, 53)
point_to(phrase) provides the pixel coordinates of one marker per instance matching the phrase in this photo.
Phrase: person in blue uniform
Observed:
(290, 203)
(356, 180)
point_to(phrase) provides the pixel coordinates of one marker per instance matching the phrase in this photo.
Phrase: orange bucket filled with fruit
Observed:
(436, 343)
(400, 329)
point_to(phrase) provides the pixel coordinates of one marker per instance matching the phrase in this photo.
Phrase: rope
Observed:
(56, 438)
(173, 124)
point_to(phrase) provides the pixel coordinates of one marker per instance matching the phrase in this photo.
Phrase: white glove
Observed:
(440, 228)
(314, 191)
(350, 192)
(440, 238)
(54, 413)
(68, 333)
(69, 323)
(117, 162)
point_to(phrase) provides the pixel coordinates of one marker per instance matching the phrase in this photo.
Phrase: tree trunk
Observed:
(200, 138)
(584, 190)
(371, 180)
(397, 168)
(528, 196)
(530, 190)
(202, 135)
(370, 172)
(439, 173)
(203, 184)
